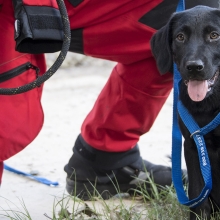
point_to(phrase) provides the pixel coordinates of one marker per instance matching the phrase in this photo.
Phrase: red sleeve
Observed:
(48, 3)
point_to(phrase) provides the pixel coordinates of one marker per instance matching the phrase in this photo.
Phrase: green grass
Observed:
(160, 204)
(18, 214)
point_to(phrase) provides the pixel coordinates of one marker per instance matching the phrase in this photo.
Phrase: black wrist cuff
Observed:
(38, 29)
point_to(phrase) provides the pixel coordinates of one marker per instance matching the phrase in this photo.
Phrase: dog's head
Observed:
(192, 40)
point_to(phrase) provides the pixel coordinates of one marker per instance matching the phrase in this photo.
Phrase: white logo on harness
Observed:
(202, 150)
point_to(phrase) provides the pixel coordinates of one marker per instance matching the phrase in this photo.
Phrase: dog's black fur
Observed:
(192, 40)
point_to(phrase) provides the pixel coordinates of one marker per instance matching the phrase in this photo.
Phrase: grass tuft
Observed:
(158, 203)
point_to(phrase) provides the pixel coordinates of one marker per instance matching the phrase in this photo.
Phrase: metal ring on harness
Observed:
(65, 47)
(195, 132)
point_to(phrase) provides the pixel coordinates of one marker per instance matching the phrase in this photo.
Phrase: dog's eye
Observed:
(180, 37)
(214, 35)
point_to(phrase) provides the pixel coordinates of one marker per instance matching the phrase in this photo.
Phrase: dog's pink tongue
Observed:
(197, 89)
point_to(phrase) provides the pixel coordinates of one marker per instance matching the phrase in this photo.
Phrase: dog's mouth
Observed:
(198, 89)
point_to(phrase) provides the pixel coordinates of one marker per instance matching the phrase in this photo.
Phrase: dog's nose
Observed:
(196, 65)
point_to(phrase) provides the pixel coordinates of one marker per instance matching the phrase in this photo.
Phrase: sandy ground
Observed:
(67, 98)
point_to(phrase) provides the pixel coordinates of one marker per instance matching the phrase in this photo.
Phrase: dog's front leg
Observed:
(195, 179)
(196, 182)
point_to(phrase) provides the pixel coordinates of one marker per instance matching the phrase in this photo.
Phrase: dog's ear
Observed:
(161, 48)
(217, 12)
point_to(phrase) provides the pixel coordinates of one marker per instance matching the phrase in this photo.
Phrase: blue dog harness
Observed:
(197, 134)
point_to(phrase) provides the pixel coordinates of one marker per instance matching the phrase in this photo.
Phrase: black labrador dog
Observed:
(192, 40)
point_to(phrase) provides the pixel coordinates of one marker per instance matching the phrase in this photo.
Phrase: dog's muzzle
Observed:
(198, 89)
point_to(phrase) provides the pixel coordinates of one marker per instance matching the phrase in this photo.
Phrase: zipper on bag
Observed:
(17, 71)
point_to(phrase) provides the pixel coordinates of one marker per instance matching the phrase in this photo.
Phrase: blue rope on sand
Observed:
(38, 179)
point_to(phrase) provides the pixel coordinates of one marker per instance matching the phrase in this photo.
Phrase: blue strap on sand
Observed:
(38, 179)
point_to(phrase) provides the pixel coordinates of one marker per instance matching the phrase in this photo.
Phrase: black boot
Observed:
(92, 172)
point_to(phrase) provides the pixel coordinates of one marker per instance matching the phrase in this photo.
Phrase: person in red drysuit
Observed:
(106, 150)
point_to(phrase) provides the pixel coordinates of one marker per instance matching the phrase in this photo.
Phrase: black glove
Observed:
(38, 29)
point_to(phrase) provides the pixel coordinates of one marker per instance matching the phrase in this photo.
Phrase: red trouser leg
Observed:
(135, 92)
(21, 115)
(127, 106)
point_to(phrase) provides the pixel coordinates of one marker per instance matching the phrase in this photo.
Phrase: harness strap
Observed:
(177, 143)
(197, 134)
(180, 6)
(176, 134)
(177, 149)
(192, 126)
